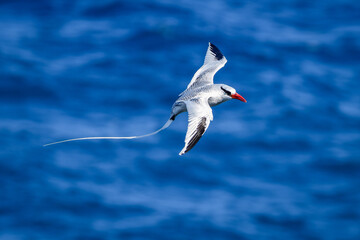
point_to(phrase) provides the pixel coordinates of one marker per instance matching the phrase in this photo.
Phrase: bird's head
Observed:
(231, 93)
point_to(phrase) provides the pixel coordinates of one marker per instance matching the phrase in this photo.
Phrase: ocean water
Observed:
(285, 165)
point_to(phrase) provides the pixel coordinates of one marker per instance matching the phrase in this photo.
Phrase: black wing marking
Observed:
(197, 135)
(218, 55)
(214, 60)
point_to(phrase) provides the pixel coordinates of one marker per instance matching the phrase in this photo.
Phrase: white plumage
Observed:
(198, 98)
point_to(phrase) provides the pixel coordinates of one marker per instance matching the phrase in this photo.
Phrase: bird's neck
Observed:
(216, 100)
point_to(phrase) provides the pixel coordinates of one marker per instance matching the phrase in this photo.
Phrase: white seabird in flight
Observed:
(198, 98)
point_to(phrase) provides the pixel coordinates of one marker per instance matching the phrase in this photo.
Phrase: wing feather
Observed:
(199, 117)
(214, 60)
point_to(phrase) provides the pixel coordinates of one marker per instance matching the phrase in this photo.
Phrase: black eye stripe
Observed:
(226, 91)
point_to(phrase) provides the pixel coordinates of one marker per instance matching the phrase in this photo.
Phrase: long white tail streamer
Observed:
(166, 125)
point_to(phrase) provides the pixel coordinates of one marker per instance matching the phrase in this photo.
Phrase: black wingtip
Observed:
(199, 132)
(218, 55)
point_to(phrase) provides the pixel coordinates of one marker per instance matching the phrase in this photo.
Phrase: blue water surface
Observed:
(285, 165)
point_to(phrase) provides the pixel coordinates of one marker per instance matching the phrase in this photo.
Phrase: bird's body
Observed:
(212, 91)
(200, 95)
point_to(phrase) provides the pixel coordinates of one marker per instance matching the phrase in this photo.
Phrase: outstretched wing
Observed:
(214, 60)
(200, 115)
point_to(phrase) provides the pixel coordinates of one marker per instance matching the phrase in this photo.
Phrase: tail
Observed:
(166, 125)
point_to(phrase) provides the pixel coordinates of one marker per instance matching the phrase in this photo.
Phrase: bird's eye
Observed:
(226, 91)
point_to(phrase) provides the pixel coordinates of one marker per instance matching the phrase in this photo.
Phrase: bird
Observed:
(197, 99)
